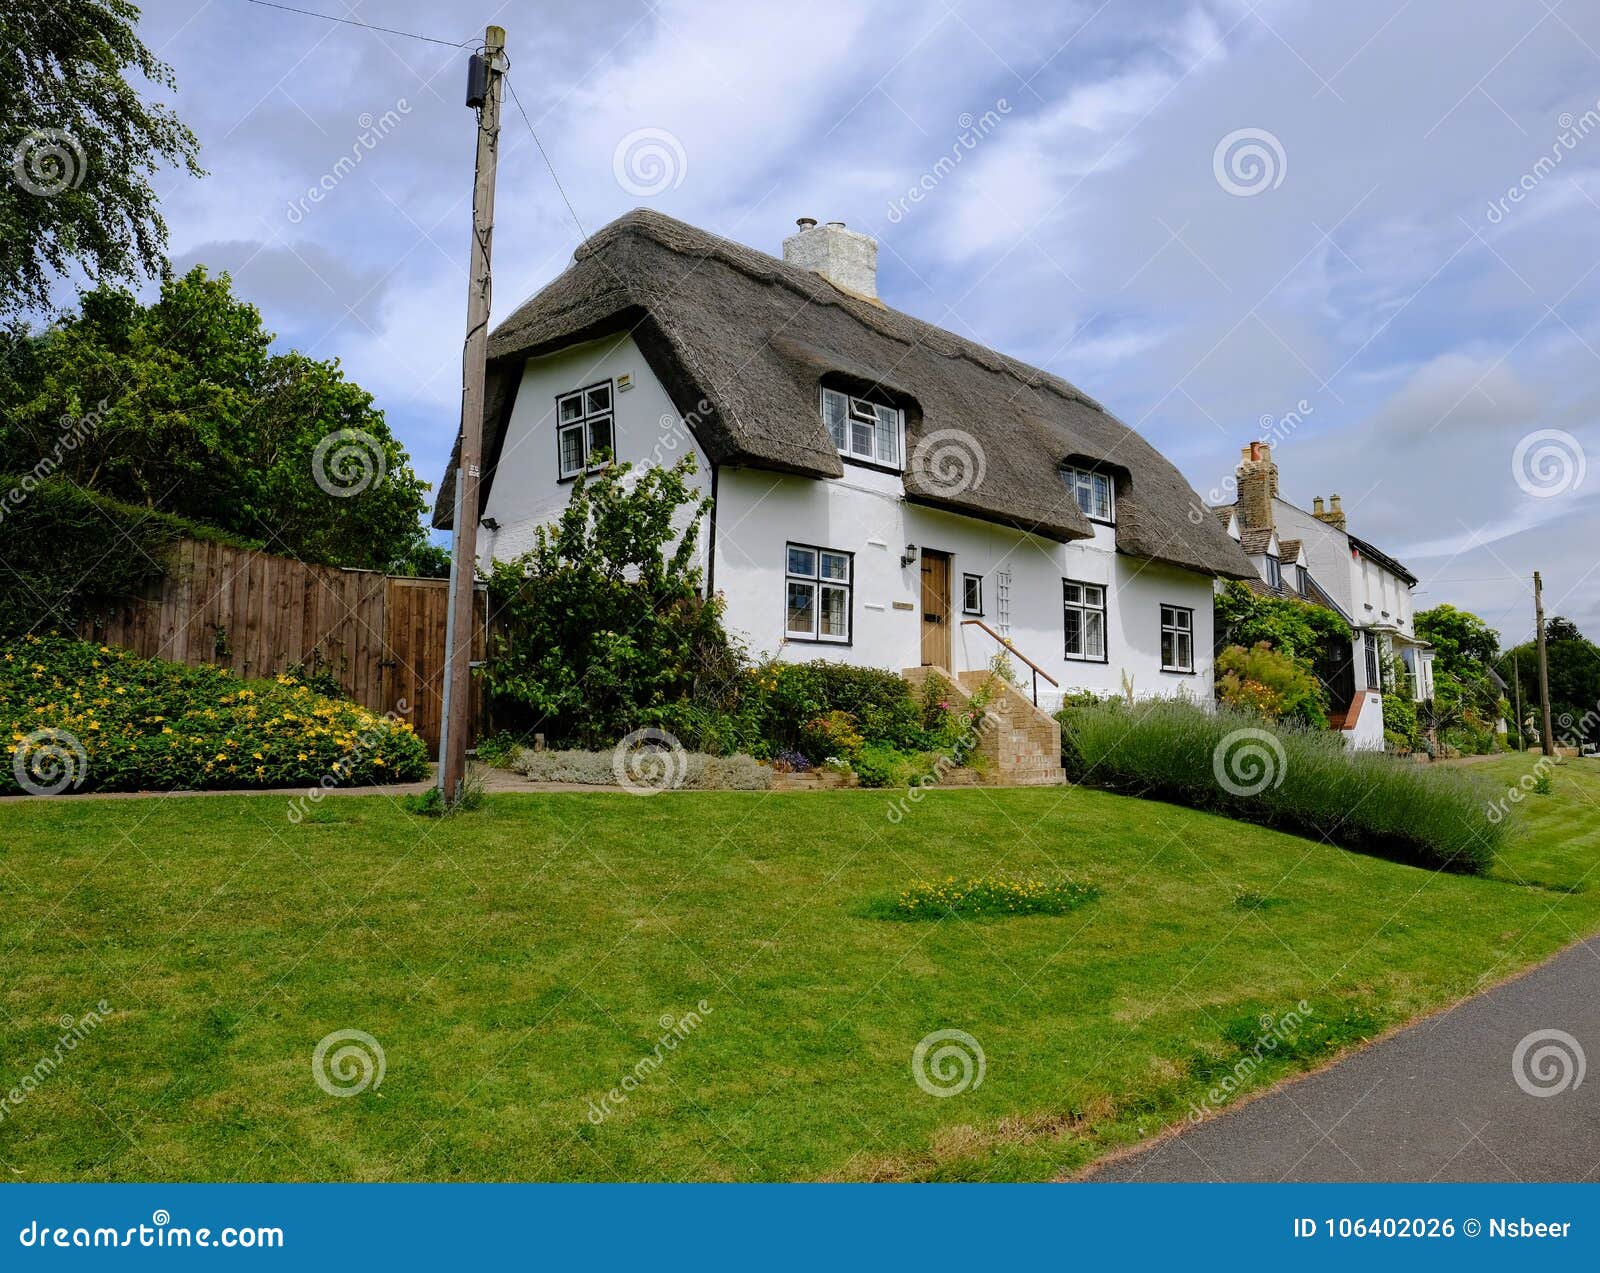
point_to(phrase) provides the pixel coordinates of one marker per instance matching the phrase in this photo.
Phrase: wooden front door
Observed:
(935, 609)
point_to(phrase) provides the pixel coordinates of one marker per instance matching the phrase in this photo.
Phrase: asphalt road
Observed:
(1439, 1101)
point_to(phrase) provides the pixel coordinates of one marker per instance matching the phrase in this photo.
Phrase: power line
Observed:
(547, 163)
(352, 22)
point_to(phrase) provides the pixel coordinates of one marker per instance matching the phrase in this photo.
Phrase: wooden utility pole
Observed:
(1544, 666)
(483, 91)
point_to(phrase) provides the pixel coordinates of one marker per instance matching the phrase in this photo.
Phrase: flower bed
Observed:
(82, 717)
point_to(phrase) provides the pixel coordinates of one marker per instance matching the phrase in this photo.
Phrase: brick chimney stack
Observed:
(1333, 515)
(1258, 486)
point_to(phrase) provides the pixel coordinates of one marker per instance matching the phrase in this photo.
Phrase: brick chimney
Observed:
(1333, 515)
(846, 258)
(1258, 486)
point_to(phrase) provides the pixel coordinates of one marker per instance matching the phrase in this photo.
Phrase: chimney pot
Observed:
(805, 223)
(1316, 507)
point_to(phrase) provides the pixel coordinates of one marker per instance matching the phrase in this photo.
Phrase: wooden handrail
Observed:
(1011, 649)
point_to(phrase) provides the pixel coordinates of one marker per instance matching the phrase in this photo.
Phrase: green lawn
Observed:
(515, 963)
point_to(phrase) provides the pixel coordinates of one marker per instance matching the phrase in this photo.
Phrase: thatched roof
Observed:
(740, 340)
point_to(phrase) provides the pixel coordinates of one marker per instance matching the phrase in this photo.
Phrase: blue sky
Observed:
(1350, 256)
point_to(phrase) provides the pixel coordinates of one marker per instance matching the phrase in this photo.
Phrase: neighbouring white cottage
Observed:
(886, 493)
(1313, 557)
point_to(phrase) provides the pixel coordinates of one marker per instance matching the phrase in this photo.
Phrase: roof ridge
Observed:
(816, 288)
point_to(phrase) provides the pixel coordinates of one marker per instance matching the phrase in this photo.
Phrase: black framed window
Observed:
(1094, 493)
(818, 588)
(1302, 581)
(971, 594)
(1084, 608)
(1274, 572)
(584, 425)
(863, 430)
(1369, 644)
(1177, 639)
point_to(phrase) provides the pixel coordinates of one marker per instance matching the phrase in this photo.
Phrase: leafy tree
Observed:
(1466, 703)
(1574, 666)
(82, 146)
(1464, 644)
(181, 406)
(603, 626)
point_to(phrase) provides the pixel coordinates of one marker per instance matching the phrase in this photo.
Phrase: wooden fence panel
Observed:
(257, 614)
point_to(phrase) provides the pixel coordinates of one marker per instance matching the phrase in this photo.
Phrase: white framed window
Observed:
(971, 594)
(1094, 493)
(818, 583)
(1177, 639)
(1274, 571)
(1084, 606)
(868, 431)
(584, 425)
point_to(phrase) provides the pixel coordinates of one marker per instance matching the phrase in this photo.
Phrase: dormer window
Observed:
(583, 427)
(1274, 571)
(1094, 494)
(1302, 581)
(863, 430)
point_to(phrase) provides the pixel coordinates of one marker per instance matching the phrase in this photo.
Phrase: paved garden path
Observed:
(1440, 1100)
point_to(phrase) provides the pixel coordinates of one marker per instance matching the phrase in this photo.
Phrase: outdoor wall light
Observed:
(909, 556)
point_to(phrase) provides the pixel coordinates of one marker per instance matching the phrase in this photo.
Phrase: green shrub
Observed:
(880, 704)
(1303, 781)
(1290, 626)
(1270, 683)
(146, 724)
(57, 567)
(1401, 731)
(991, 896)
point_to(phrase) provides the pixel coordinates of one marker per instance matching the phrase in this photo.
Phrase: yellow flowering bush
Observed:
(990, 895)
(147, 724)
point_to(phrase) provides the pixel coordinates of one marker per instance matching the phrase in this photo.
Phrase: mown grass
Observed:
(516, 962)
